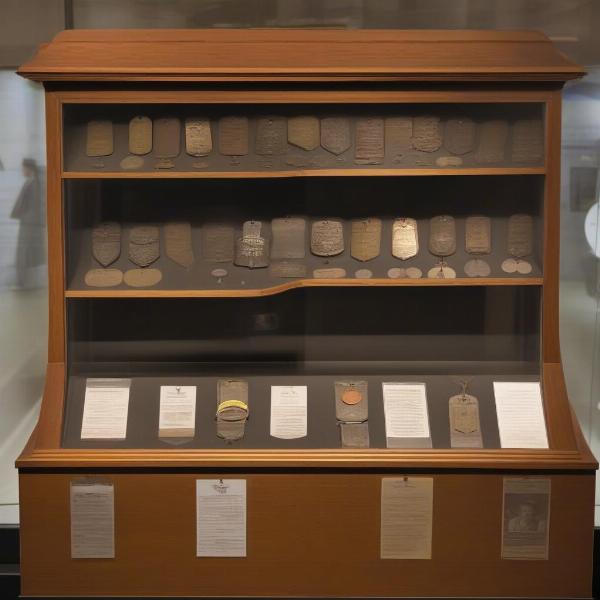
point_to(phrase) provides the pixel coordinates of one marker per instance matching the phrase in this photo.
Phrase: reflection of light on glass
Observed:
(591, 229)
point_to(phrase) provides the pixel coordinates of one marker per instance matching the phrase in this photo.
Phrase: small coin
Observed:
(219, 273)
(509, 265)
(524, 267)
(363, 274)
(414, 273)
(132, 162)
(441, 272)
(477, 268)
(396, 273)
(351, 396)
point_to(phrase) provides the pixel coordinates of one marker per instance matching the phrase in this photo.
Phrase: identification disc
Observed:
(219, 273)
(405, 238)
(492, 142)
(478, 235)
(365, 241)
(178, 243)
(520, 235)
(288, 238)
(143, 245)
(288, 269)
(142, 277)
(351, 396)
(528, 141)
(130, 163)
(363, 274)
(271, 136)
(140, 135)
(233, 136)
(509, 265)
(477, 267)
(327, 238)
(217, 243)
(103, 277)
(106, 242)
(304, 132)
(351, 401)
(524, 267)
(335, 134)
(427, 134)
(99, 138)
(459, 135)
(370, 149)
(398, 136)
(442, 235)
(329, 273)
(441, 272)
(198, 137)
(465, 429)
(167, 137)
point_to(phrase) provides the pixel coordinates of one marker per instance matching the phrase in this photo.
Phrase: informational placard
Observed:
(406, 517)
(105, 409)
(406, 415)
(289, 411)
(520, 412)
(92, 519)
(221, 517)
(177, 411)
(525, 518)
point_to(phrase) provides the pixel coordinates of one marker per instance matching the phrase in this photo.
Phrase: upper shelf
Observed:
(289, 55)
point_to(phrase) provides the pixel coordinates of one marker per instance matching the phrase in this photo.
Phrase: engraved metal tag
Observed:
(442, 235)
(252, 249)
(99, 140)
(492, 142)
(103, 277)
(327, 238)
(370, 148)
(365, 243)
(405, 238)
(288, 238)
(198, 138)
(528, 141)
(520, 235)
(335, 134)
(271, 136)
(167, 137)
(178, 243)
(140, 135)
(144, 245)
(427, 134)
(398, 136)
(233, 136)
(217, 243)
(304, 132)
(142, 277)
(465, 429)
(329, 273)
(354, 435)
(106, 242)
(287, 269)
(351, 401)
(459, 135)
(478, 235)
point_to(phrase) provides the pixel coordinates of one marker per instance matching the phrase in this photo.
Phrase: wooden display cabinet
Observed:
(313, 506)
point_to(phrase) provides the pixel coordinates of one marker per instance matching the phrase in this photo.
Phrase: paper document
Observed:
(288, 411)
(105, 409)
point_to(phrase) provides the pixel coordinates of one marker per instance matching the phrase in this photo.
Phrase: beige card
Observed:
(406, 517)
(525, 518)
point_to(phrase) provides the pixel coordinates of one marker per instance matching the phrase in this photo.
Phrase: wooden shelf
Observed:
(301, 283)
(171, 174)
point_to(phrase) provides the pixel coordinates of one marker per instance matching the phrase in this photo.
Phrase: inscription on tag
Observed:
(492, 142)
(405, 238)
(252, 249)
(520, 235)
(365, 243)
(370, 149)
(304, 132)
(140, 135)
(198, 137)
(327, 238)
(288, 238)
(459, 136)
(103, 277)
(144, 245)
(178, 243)
(99, 138)
(427, 134)
(271, 136)
(478, 235)
(354, 435)
(233, 136)
(106, 242)
(167, 137)
(528, 141)
(442, 235)
(398, 136)
(465, 430)
(217, 243)
(335, 134)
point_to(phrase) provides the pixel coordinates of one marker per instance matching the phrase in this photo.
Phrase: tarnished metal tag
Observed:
(478, 235)
(351, 401)
(427, 134)
(459, 135)
(365, 243)
(142, 277)
(335, 134)
(304, 132)
(217, 243)
(106, 242)
(232, 408)
(465, 429)
(520, 235)
(144, 246)
(287, 269)
(370, 148)
(405, 238)
(198, 137)
(178, 243)
(252, 249)
(103, 277)
(492, 142)
(167, 137)
(271, 136)
(288, 238)
(398, 136)
(233, 136)
(140, 135)
(354, 435)
(442, 235)
(528, 141)
(99, 140)
(327, 238)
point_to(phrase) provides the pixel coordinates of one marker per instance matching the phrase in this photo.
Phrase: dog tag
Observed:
(402, 273)
(329, 273)
(459, 135)
(335, 134)
(217, 243)
(327, 238)
(198, 138)
(509, 265)
(106, 242)
(144, 245)
(130, 163)
(448, 161)
(478, 235)
(288, 269)
(520, 235)
(492, 142)
(365, 242)
(398, 136)
(351, 401)
(252, 249)
(178, 243)
(523, 267)
(427, 134)
(370, 149)
(304, 132)
(99, 138)
(528, 141)
(140, 135)
(233, 136)
(442, 236)
(232, 408)
(405, 238)
(167, 137)
(142, 277)
(465, 429)
(289, 236)
(103, 277)
(477, 267)
(271, 136)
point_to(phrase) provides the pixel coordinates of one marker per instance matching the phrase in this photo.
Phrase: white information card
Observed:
(288, 411)
(177, 411)
(92, 520)
(520, 412)
(105, 409)
(220, 517)
(405, 407)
